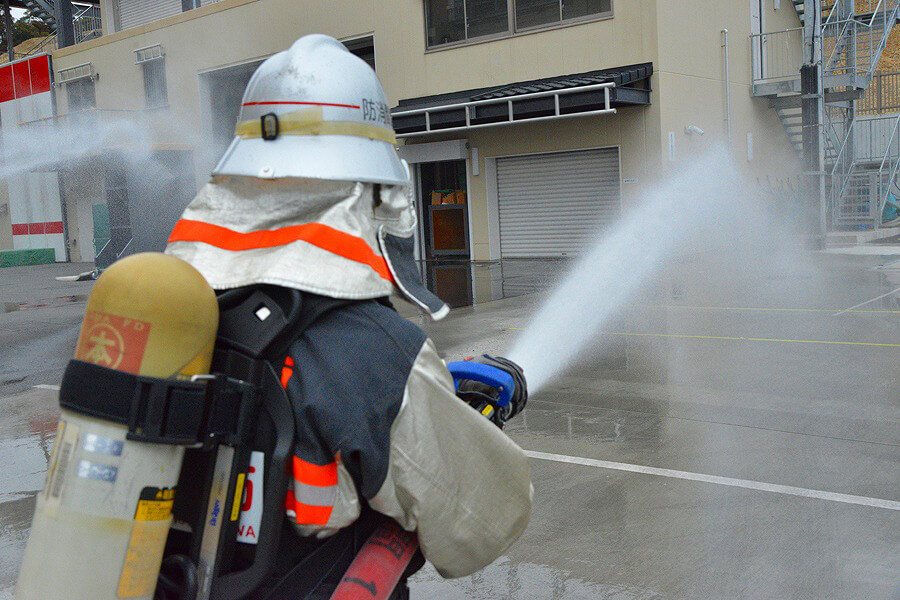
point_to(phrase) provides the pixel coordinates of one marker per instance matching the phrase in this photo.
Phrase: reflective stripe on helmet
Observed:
(316, 234)
(310, 121)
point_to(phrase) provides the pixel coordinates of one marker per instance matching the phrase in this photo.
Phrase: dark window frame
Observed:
(364, 48)
(512, 27)
(156, 91)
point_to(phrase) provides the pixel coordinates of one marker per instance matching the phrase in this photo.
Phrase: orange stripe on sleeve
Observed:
(318, 475)
(316, 234)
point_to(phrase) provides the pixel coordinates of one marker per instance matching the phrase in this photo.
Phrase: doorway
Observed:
(444, 211)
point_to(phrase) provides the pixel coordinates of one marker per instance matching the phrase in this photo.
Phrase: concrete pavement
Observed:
(711, 445)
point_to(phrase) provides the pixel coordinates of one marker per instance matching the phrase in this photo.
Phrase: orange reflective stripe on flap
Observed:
(316, 234)
(306, 514)
(318, 475)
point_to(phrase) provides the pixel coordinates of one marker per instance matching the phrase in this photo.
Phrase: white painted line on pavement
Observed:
(866, 302)
(739, 483)
(44, 386)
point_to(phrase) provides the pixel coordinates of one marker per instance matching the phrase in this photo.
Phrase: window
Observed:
(153, 65)
(80, 94)
(363, 48)
(156, 93)
(454, 21)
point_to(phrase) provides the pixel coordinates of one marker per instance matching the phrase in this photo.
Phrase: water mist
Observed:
(699, 198)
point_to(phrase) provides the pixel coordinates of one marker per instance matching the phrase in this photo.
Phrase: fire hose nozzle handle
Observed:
(507, 391)
(498, 379)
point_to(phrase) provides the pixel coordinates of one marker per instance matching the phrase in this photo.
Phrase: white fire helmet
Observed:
(315, 111)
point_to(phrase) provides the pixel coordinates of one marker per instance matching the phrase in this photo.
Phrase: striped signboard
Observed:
(35, 207)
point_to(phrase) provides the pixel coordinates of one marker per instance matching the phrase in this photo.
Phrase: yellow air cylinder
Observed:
(101, 521)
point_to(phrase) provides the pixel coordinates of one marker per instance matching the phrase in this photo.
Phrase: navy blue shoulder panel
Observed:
(350, 374)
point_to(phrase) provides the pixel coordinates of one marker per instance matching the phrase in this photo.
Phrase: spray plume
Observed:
(699, 199)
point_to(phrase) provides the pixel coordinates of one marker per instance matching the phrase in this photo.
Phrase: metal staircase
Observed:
(86, 23)
(861, 158)
(863, 171)
(42, 9)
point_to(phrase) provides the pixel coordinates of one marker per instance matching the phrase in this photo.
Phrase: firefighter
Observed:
(311, 195)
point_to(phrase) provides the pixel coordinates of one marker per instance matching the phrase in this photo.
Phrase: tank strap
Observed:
(206, 410)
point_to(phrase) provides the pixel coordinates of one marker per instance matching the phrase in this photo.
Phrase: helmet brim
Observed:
(332, 157)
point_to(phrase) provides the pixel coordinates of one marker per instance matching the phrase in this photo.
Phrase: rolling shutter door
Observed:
(554, 204)
(138, 12)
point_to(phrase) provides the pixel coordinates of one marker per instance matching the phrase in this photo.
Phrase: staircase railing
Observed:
(840, 173)
(882, 96)
(777, 55)
(48, 44)
(87, 25)
(853, 43)
(865, 166)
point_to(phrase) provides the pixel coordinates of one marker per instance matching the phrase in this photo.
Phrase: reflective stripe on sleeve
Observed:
(306, 514)
(319, 475)
(313, 492)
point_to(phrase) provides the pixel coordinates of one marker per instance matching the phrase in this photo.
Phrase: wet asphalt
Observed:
(719, 368)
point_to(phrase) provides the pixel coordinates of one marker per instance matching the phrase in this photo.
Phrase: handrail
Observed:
(37, 49)
(837, 160)
(887, 150)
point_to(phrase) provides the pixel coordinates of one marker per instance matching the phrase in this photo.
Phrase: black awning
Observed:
(632, 87)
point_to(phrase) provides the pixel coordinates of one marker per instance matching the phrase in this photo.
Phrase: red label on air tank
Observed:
(113, 341)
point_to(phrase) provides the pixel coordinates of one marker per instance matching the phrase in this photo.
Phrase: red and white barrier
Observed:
(35, 206)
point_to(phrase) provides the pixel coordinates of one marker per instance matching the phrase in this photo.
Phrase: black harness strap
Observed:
(162, 411)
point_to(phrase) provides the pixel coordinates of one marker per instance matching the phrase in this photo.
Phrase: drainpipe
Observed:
(7, 17)
(727, 87)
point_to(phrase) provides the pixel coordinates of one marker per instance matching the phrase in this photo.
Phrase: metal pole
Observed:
(7, 17)
(813, 116)
(727, 87)
(65, 28)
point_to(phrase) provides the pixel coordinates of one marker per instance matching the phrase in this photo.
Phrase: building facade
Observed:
(529, 124)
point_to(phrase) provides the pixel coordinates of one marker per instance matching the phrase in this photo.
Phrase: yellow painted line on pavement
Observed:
(736, 338)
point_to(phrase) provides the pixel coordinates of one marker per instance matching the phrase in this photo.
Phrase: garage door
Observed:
(139, 12)
(554, 204)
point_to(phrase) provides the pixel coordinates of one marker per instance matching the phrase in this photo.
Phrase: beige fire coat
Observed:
(376, 412)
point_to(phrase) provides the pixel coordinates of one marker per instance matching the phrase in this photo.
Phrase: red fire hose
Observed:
(381, 561)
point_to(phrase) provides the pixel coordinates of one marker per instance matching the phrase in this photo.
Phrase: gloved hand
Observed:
(484, 397)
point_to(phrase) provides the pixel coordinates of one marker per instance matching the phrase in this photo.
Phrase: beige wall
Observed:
(682, 40)
(236, 31)
(409, 71)
(691, 79)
